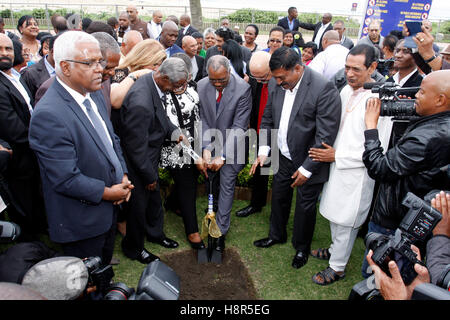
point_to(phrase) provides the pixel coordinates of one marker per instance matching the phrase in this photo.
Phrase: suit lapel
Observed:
(300, 96)
(227, 95)
(73, 105)
(21, 107)
(158, 105)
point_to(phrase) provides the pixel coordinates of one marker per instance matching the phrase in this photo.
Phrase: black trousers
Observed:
(305, 207)
(259, 189)
(185, 195)
(100, 246)
(145, 217)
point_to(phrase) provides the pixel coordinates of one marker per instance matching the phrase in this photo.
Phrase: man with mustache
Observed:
(23, 174)
(306, 109)
(84, 176)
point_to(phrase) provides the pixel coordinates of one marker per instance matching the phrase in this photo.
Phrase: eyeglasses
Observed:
(90, 64)
(218, 80)
(260, 79)
(180, 89)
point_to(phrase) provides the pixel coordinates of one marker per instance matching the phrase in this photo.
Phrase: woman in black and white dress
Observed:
(182, 109)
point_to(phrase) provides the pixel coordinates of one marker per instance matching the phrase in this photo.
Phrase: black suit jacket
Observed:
(284, 23)
(316, 28)
(143, 127)
(200, 65)
(189, 32)
(414, 81)
(314, 119)
(35, 75)
(14, 125)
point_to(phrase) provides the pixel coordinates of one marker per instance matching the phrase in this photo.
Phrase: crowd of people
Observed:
(90, 112)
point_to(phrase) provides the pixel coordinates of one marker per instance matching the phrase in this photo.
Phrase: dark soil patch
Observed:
(208, 281)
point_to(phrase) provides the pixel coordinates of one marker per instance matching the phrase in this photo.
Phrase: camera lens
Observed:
(372, 240)
(119, 291)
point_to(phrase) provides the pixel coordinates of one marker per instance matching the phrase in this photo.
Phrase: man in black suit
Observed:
(144, 127)
(319, 28)
(190, 46)
(23, 174)
(290, 22)
(186, 29)
(39, 72)
(305, 108)
(407, 76)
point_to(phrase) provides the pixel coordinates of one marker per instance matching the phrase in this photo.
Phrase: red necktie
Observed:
(219, 97)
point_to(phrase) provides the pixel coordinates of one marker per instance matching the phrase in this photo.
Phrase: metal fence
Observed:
(211, 16)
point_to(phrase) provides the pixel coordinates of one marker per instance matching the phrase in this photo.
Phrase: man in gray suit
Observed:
(305, 108)
(225, 106)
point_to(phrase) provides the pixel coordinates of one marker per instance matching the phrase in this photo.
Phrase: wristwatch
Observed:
(431, 59)
(132, 77)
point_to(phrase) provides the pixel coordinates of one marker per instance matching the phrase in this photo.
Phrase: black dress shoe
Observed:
(165, 242)
(245, 212)
(220, 244)
(146, 257)
(300, 259)
(266, 242)
(197, 245)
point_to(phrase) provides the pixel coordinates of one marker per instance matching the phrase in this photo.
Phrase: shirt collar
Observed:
(403, 81)
(160, 93)
(15, 74)
(49, 67)
(295, 89)
(78, 97)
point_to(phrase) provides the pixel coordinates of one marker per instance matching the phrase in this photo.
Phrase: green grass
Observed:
(273, 276)
(270, 269)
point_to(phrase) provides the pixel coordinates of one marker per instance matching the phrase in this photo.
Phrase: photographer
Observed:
(414, 163)
(438, 256)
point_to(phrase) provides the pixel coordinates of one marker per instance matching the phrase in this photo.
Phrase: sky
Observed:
(440, 9)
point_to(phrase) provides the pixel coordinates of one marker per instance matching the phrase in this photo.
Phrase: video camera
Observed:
(417, 225)
(385, 64)
(391, 104)
(99, 276)
(157, 282)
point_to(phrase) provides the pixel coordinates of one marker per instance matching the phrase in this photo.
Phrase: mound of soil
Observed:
(209, 281)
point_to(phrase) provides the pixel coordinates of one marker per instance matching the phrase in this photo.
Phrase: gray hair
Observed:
(208, 31)
(175, 69)
(185, 58)
(107, 43)
(66, 46)
(131, 34)
(217, 61)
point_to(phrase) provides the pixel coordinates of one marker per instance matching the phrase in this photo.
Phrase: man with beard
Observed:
(23, 176)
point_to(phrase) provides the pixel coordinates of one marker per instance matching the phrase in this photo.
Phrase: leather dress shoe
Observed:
(165, 242)
(146, 257)
(266, 242)
(245, 212)
(220, 243)
(300, 259)
(197, 245)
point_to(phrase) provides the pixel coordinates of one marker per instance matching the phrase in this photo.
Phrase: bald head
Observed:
(157, 16)
(169, 25)
(259, 64)
(189, 45)
(169, 34)
(132, 12)
(185, 20)
(130, 39)
(330, 37)
(434, 94)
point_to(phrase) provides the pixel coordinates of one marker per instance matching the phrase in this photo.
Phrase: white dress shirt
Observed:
(330, 61)
(402, 82)
(14, 78)
(194, 67)
(154, 29)
(79, 99)
(320, 33)
(288, 103)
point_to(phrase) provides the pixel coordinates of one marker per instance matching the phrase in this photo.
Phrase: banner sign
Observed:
(392, 14)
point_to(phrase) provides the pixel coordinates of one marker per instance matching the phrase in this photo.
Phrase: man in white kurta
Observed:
(347, 195)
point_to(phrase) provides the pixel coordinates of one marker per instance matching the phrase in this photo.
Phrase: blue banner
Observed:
(392, 14)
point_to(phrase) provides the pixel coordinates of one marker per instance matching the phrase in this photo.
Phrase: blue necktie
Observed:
(103, 136)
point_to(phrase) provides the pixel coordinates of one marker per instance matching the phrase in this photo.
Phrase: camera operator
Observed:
(414, 163)
(438, 257)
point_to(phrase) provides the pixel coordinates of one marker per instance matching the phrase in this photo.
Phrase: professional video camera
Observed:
(391, 104)
(157, 282)
(99, 276)
(385, 64)
(416, 226)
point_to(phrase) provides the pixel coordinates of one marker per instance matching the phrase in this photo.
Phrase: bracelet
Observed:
(431, 59)
(132, 77)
